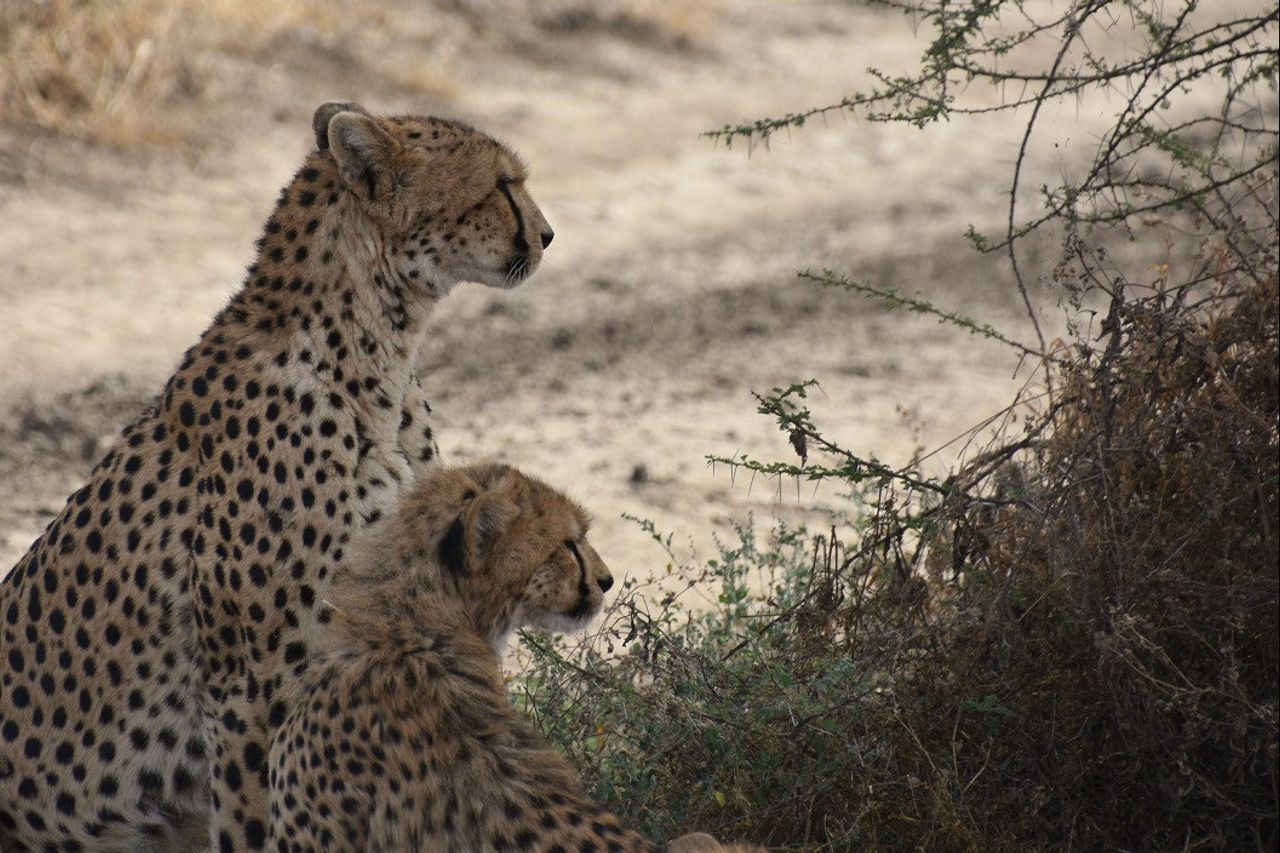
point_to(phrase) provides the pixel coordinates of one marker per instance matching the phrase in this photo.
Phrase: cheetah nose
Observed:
(605, 582)
(547, 236)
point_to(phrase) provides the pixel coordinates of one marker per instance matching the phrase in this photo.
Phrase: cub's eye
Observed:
(577, 555)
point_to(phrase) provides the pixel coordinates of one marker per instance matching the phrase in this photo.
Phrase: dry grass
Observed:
(127, 73)
(97, 70)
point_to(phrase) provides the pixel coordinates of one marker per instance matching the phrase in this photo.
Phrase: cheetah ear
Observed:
(470, 538)
(325, 113)
(363, 152)
(488, 518)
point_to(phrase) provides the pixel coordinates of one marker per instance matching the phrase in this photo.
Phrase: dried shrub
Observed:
(1076, 651)
(1069, 642)
(1115, 631)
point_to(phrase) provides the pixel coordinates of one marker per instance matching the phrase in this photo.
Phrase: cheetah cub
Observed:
(402, 738)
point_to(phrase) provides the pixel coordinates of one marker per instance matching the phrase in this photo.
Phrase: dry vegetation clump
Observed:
(1113, 631)
(127, 73)
(1076, 650)
(97, 70)
(141, 73)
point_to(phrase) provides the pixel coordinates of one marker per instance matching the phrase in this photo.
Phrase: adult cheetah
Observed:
(150, 634)
(402, 737)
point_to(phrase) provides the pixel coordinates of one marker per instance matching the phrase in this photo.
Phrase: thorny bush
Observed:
(1068, 643)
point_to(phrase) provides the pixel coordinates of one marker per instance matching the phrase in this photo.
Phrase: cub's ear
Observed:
(469, 540)
(325, 113)
(487, 519)
(364, 154)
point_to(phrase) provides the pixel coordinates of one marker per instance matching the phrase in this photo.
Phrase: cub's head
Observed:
(451, 201)
(511, 550)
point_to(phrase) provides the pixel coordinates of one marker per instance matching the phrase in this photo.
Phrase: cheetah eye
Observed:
(572, 546)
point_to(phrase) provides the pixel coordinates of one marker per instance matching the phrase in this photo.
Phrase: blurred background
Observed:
(142, 143)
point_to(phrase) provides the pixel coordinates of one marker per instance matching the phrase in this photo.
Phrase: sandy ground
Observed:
(668, 296)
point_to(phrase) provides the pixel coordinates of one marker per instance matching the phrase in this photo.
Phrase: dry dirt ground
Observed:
(668, 296)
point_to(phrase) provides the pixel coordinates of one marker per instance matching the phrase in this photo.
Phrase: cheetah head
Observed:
(450, 202)
(511, 549)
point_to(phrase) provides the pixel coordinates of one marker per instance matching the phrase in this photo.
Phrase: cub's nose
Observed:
(604, 581)
(547, 236)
